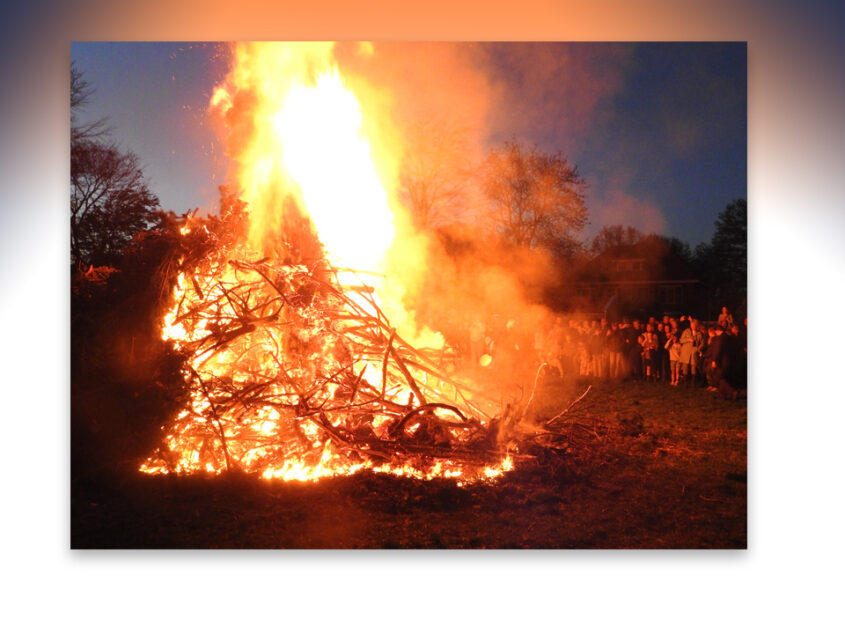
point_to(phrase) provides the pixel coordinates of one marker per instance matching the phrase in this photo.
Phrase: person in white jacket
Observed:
(692, 341)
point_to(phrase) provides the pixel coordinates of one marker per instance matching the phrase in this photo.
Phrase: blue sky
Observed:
(659, 131)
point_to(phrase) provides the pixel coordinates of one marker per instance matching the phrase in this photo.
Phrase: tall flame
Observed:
(325, 152)
(302, 146)
(298, 135)
(301, 140)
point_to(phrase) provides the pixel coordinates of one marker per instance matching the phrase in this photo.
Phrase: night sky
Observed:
(659, 131)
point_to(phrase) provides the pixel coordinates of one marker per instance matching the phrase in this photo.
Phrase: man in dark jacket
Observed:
(722, 358)
(630, 348)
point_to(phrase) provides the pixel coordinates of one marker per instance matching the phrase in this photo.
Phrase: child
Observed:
(648, 343)
(673, 345)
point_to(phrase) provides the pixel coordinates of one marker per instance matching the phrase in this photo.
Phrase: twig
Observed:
(432, 406)
(216, 418)
(385, 361)
(569, 407)
(411, 382)
(533, 389)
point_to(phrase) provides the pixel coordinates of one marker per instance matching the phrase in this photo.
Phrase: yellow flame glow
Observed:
(303, 143)
(325, 152)
(298, 135)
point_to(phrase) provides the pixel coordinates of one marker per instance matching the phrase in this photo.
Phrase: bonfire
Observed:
(301, 358)
(296, 375)
(295, 370)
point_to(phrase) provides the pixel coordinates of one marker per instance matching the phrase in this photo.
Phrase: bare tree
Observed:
(435, 176)
(81, 91)
(537, 198)
(614, 236)
(109, 198)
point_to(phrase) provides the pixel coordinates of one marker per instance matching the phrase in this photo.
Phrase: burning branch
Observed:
(294, 370)
(300, 372)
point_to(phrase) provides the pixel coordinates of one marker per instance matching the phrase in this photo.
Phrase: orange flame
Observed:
(296, 135)
(299, 135)
(305, 142)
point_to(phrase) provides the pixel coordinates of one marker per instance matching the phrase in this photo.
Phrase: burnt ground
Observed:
(652, 466)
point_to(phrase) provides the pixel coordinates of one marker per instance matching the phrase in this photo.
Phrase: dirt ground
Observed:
(652, 466)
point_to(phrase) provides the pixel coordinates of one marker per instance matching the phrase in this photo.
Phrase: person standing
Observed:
(476, 341)
(662, 352)
(692, 340)
(629, 348)
(549, 345)
(673, 345)
(725, 319)
(648, 345)
(706, 357)
(635, 351)
(614, 345)
(722, 360)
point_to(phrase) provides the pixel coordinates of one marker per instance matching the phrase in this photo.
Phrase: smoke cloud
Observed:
(434, 111)
(461, 279)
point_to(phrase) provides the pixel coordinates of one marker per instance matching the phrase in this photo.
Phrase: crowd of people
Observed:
(680, 351)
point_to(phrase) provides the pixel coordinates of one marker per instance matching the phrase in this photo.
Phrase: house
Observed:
(647, 278)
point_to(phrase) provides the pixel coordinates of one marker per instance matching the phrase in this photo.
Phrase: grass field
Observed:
(649, 466)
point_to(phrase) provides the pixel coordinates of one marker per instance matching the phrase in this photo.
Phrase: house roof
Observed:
(650, 260)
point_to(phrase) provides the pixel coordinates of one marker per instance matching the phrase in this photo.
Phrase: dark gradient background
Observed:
(789, 579)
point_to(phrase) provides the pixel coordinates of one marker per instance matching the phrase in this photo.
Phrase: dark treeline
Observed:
(719, 265)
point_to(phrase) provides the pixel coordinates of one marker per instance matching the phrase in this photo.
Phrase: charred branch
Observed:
(280, 356)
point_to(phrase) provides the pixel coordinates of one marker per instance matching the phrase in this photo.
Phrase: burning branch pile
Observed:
(293, 374)
(293, 369)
